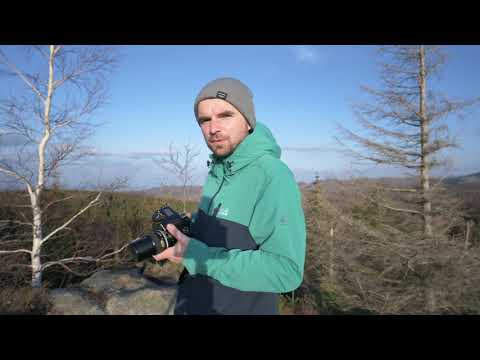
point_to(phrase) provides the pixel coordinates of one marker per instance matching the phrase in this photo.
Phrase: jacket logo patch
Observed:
(223, 212)
(283, 220)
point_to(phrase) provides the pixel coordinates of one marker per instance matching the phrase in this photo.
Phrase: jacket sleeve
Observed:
(278, 263)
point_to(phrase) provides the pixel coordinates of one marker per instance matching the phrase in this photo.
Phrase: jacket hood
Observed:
(259, 143)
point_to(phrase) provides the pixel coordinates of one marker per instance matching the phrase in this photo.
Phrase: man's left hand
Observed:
(174, 253)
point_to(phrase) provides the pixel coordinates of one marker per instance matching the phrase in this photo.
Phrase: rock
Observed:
(72, 302)
(142, 302)
(107, 281)
(165, 273)
(116, 292)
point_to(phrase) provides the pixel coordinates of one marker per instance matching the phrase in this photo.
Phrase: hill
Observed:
(471, 179)
(174, 192)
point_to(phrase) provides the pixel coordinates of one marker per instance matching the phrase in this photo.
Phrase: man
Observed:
(249, 234)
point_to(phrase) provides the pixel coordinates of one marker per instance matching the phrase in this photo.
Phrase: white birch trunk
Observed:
(424, 169)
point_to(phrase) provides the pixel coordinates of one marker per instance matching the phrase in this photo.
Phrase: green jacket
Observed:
(249, 231)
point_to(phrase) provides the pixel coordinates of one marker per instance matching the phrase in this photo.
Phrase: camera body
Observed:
(160, 239)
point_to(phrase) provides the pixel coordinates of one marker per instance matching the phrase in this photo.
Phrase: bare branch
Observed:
(402, 210)
(69, 260)
(4, 252)
(62, 264)
(10, 242)
(90, 204)
(382, 153)
(17, 176)
(22, 76)
(113, 253)
(42, 52)
(56, 202)
(401, 190)
(20, 222)
(82, 259)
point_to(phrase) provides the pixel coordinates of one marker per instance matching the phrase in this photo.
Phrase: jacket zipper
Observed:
(213, 197)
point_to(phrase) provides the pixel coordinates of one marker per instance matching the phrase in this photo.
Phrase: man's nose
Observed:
(214, 126)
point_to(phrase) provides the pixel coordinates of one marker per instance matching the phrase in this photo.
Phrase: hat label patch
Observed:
(221, 95)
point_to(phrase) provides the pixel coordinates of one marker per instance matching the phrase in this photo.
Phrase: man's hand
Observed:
(174, 253)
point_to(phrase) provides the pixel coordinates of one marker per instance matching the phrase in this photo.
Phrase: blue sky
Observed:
(300, 92)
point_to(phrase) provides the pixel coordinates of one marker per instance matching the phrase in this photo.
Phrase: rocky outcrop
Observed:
(73, 302)
(108, 292)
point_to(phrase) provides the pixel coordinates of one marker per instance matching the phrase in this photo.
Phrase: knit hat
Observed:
(232, 91)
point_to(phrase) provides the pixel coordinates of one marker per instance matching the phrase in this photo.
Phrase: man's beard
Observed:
(221, 148)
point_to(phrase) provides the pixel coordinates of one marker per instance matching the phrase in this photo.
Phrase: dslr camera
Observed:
(160, 239)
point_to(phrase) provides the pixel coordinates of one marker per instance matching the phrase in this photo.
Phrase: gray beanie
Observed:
(232, 91)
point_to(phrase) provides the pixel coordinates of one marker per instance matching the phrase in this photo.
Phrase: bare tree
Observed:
(181, 165)
(374, 262)
(404, 124)
(61, 88)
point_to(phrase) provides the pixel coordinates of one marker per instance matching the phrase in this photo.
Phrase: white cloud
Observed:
(306, 54)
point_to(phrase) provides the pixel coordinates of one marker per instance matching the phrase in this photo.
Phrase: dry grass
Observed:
(364, 258)
(23, 301)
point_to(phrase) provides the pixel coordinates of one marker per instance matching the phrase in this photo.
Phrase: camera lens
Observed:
(144, 247)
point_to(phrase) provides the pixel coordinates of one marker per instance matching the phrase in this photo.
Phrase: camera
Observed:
(160, 239)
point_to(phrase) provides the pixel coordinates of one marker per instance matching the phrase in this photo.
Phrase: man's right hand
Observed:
(174, 253)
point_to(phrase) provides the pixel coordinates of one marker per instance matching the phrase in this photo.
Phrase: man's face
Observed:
(223, 126)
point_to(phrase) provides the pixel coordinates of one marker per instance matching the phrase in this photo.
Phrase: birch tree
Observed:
(58, 90)
(404, 125)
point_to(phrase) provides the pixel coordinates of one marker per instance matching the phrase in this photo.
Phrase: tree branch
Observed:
(56, 201)
(17, 176)
(113, 253)
(92, 203)
(20, 74)
(401, 190)
(15, 251)
(82, 259)
(401, 210)
(60, 263)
